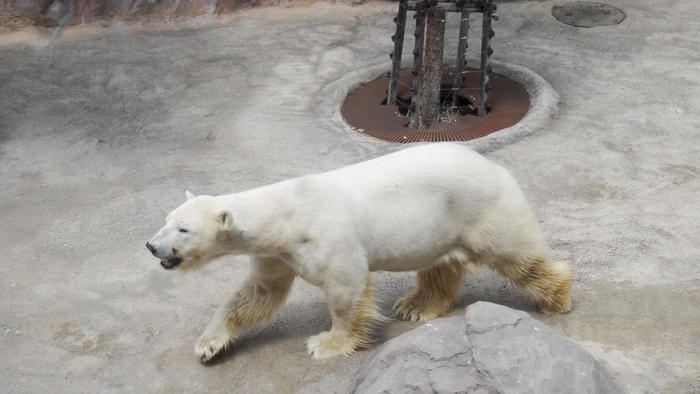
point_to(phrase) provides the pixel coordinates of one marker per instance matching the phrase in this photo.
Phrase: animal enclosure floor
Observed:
(103, 129)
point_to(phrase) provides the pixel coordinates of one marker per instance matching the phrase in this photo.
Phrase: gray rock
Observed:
(522, 354)
(491, 349)
(434, 357)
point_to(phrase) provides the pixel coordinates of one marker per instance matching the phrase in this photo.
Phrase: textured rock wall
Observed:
(50, 13)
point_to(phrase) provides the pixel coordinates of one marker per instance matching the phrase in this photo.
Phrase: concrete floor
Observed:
(102, 130)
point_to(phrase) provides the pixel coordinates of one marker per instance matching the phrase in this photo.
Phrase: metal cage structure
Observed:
(426, 12)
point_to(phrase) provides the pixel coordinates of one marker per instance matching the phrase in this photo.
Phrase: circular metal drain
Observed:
(588, 14)
(365, 110)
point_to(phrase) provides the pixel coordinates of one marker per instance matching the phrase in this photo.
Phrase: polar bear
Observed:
(438, 209)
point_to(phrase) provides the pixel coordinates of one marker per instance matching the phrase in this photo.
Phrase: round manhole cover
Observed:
(588, 14)
(366, 111)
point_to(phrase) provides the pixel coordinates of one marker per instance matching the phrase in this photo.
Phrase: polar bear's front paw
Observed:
(209, 346)
(329, 344)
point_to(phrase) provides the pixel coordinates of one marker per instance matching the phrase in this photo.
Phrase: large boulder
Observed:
(491, 349)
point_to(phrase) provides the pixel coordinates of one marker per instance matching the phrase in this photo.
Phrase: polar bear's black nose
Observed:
(151, 248)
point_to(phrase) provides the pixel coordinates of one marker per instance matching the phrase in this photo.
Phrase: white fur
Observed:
(409, 210)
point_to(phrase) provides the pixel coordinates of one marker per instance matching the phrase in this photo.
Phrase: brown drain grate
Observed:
(364, 109)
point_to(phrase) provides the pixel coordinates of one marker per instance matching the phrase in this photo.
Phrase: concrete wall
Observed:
(19, 13)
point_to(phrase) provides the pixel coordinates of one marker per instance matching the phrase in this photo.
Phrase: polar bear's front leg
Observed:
(353, 314)
(216, 336)
(257, 301)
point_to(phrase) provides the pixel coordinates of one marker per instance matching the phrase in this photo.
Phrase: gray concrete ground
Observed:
(102, 130)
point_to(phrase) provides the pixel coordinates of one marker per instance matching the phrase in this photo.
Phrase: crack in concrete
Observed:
(493, 328)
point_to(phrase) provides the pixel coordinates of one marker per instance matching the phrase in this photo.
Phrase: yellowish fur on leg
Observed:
(548, 282)
(257, 302)
(436, 290)
(362, 319)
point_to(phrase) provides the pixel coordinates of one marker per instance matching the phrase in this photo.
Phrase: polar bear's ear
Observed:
(225, 218)
(189, 195)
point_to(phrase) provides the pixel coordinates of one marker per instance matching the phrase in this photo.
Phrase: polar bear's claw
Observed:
(327, 345)
(413, 308)
(208, 347)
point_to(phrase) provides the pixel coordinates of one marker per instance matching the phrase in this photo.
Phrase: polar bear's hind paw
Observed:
(415, 308)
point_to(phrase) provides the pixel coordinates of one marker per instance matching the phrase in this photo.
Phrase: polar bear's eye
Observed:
(183, 230)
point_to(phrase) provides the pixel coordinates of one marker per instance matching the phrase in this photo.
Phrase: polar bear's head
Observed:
(195, 233)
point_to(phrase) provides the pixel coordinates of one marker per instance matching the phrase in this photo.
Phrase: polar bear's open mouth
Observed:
(170, 264)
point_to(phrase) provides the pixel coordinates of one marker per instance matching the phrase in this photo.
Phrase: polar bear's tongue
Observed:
(168, 263)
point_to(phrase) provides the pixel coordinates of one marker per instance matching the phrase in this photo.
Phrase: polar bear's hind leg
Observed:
(436, 290)
(547, 281)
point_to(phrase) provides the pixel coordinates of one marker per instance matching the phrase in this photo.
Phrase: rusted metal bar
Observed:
(461, 54)
(417, 66)
(400, 21)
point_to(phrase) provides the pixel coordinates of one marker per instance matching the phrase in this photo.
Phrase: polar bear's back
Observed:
(416, 204)
(432, 169)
